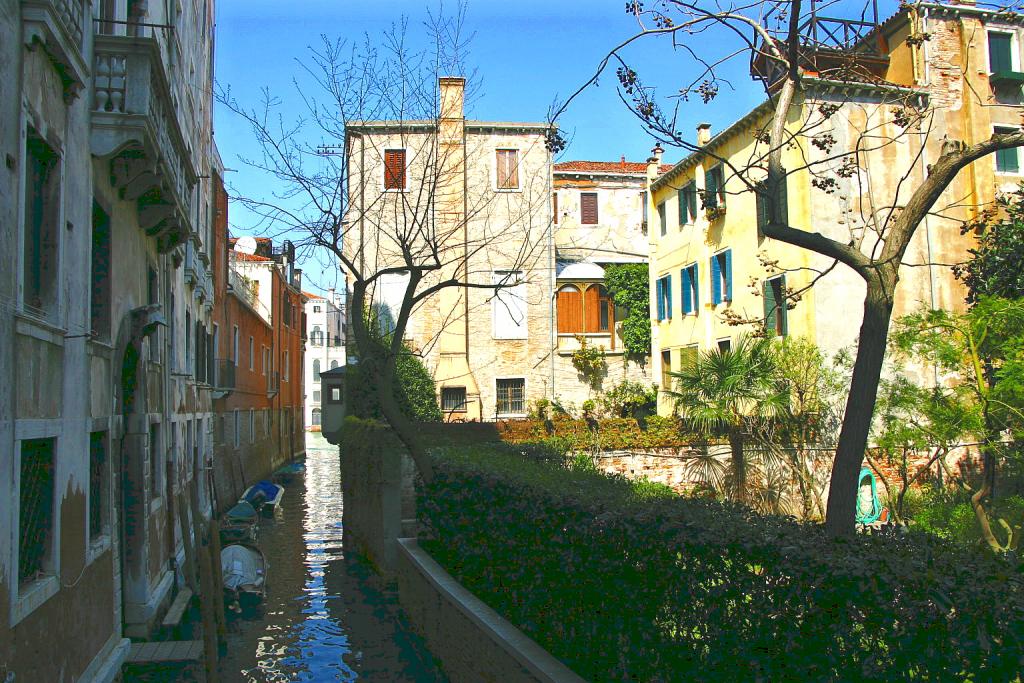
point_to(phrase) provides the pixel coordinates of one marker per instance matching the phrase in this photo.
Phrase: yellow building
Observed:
(863, 139)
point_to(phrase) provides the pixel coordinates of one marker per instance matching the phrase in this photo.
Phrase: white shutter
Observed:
(508, 306)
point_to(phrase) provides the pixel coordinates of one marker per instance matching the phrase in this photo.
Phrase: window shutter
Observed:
(683, 208)
(569, 313)
(668, 297)
(1000, 46)
(696, 289)
(728, 275)
(591, 309)
(783, 200)
(710, 190)
(762, 207)
(661, 218)
(691, 195)
(588, 208)
(394, 169)
(554, 207)
(684, 279)
(771, 308)
(657, 294)
(716, 281)
(783, 309)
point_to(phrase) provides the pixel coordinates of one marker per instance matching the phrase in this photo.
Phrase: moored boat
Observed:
(264, 495)
(288, 473)
(240, 523)
(244, 568)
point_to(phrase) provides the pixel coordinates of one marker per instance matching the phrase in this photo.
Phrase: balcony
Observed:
(135, 129)
(57, 27)
(273, 384)
(223, 377)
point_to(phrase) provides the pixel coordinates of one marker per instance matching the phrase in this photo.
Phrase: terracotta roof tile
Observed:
(310, 295)
(240, 256)
(621, 166)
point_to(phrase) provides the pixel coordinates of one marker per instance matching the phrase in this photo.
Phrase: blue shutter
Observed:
(696, 289)
(771, 310)
(657, 293)
(716, 281)
(728, 275)
(682, 206)
(668, 296)
(783, 308)
(684, 279)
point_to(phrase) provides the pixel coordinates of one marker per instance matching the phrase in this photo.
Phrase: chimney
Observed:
(703, 134)
(452, 96)
(654, 162)
(622, 161)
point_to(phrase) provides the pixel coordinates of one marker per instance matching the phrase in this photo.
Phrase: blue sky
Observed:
(528, 52)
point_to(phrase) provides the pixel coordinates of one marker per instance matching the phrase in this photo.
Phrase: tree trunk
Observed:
(840, 516)
(739, 466)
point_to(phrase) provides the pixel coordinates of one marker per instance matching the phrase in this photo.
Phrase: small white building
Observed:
(325, 330)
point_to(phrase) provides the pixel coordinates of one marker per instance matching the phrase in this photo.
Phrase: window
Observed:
(316, 417)
(688, 203)
(721, 277)
(394, 169)
(252, 425)
(334, 364)
(155, 461)
(1000, 52)
(687, 356)
(725, 345)
(691, 300)
(588, 208)
(605, 309)
(316, 371)
(97, 484)
(771, 205)
(234, 345)
(316, 397)
(286, 312)
(99, 301)
(1007, 160)
(775, 306)
(316, 337)
(508, 306)
(508, 169)
(335, 395)
(188, 341)
(108, 12)
(714, 188)
(666, 368)
(511, 396)
(35, 516)
(316, 309)
(42, 213)
(643, 211)
(663, 292)
(453, 399)
(570, 309)
(662, 221)
(238, 429)
(252, 356)
(287, 368)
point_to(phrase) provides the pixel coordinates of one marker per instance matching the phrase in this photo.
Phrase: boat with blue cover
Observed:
(264, 495)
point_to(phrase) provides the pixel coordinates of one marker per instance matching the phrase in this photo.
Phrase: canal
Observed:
(327, 617)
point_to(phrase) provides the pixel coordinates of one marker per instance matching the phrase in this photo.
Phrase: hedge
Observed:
(624, 583)
(610, 434)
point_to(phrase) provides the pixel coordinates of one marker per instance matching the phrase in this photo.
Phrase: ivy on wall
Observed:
(628, 285)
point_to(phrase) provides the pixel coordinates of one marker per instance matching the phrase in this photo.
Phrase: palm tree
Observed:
(731, 393)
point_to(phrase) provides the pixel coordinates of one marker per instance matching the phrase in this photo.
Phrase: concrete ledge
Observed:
(473, 642)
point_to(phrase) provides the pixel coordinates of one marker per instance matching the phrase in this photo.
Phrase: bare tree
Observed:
(378, 173)
(798, 54)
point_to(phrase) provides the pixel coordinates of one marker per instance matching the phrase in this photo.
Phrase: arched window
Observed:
(316, 417)
(316, 371)
(570, 309)
(316, 337)
(334, 364)
(606, 310)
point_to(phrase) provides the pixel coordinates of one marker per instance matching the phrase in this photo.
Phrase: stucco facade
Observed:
(946, 75)
(105, 210)
(325, 348)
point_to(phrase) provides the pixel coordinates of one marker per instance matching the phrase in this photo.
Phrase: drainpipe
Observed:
(552, 280)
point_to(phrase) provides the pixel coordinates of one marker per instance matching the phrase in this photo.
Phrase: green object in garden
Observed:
(869, 508)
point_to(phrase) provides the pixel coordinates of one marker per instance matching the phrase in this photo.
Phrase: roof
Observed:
(621, 166)
(431, 124)
(242, 256)
(310, 295)
(232, 240)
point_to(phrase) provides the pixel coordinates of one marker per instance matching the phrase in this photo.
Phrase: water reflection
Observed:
(326, 617)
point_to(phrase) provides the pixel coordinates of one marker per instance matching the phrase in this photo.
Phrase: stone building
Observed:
(483, 189)
(957, 63)
(105, 415)
(258, 335)
(599, 211)
(325, 322)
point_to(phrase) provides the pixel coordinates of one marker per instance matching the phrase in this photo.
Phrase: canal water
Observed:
(327, 617)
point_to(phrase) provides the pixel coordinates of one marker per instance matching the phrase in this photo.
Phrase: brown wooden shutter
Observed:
(508, 169)
(394, 169)
(554, 206)
(570, 313)
(592, 309)
(588, 208)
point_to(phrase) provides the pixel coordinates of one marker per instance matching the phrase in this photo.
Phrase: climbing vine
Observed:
(627, 283)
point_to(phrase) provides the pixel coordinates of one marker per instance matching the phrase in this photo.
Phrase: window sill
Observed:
(98, 546)
(32, 596)
(512, 416)
(30, 326)
(509, 190)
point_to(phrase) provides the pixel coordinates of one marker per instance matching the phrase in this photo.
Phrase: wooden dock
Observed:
(165, 651)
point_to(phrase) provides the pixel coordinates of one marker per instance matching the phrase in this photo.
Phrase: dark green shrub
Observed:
(624, 582)
(414, 390)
